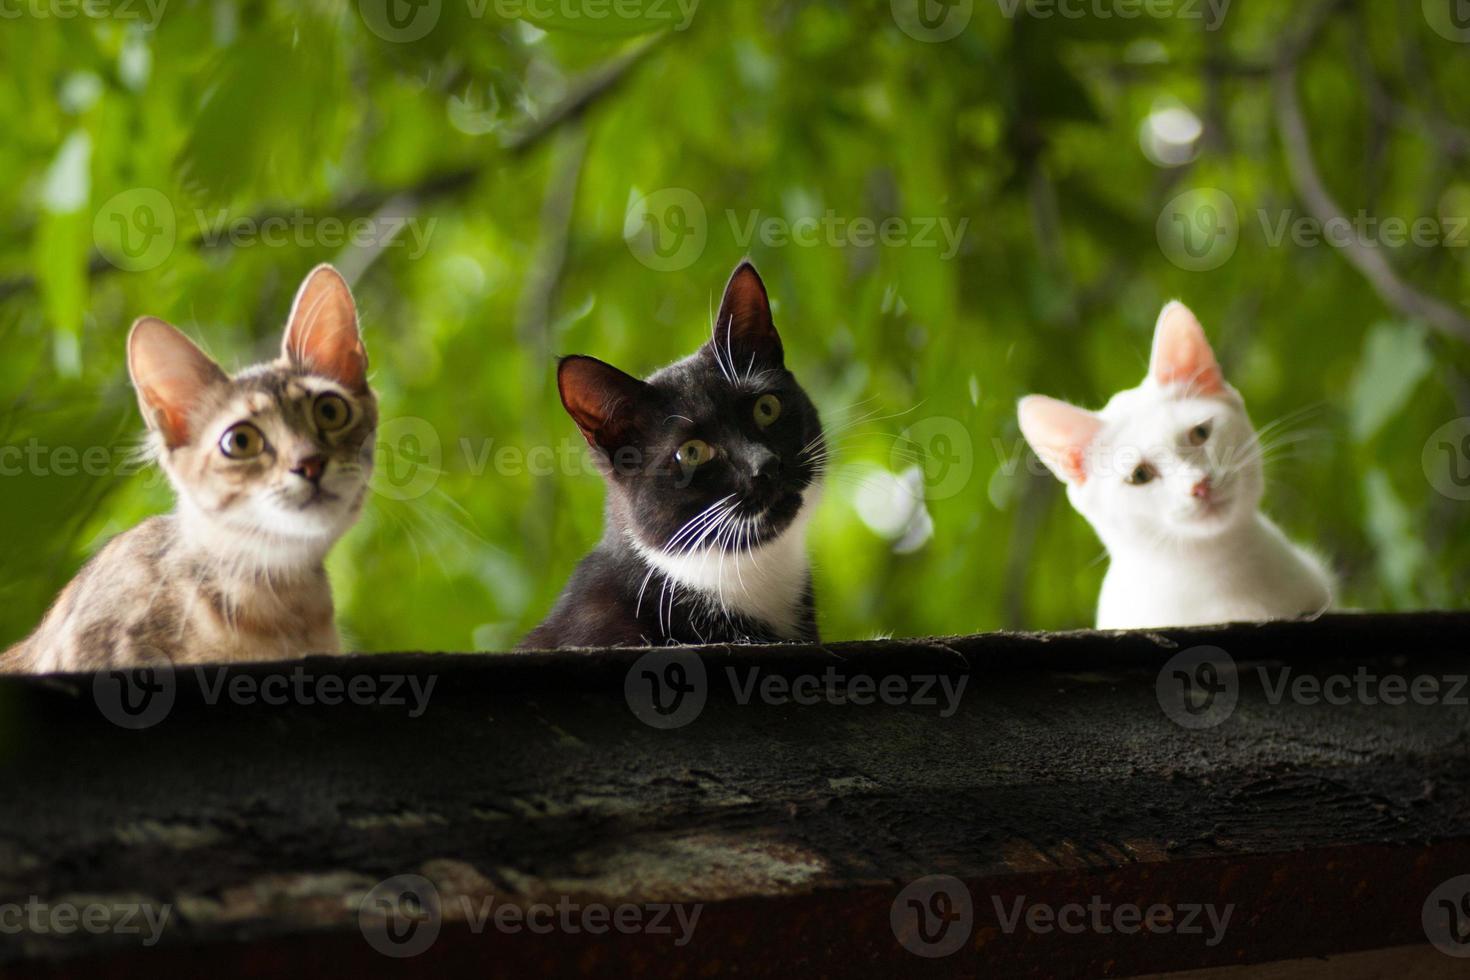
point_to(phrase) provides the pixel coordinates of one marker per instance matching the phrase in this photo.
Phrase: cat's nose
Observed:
(1203, 489)
(765, 467)
(311, 468)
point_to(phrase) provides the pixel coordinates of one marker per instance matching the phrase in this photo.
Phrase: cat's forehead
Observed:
(265, 388)
(697, 385)
(1150, 414)
(283, 382)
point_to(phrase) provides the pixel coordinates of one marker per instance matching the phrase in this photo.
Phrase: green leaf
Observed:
(1398, 546)
(63, 245)
(1395, 359)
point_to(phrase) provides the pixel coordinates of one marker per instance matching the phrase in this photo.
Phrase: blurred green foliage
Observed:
(520, 141)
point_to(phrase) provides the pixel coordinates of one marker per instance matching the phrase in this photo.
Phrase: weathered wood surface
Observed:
(1058, 777)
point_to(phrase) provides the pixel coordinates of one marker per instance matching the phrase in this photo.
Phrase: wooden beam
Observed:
(1041, 772)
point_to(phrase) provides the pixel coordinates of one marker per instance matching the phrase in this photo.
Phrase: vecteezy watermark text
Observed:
(668, 688)
(667, 230)
(836, 688)
(1365, 687)
(149, 12)
(406, 21)
(1364, 229)
(300, 687)
(402, 916)
(298, 229)
(833, 230)
(37, 917)
(1211, 12)
(676, 14)
(1200, 687)
(1105, 918)
(143, 695)
(937, 21)
(138, 229)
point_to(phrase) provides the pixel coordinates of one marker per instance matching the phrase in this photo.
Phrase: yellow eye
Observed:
(1200, 434)
(242, 441)
(331, 412)
(1143, 473)
(695, 452)
(767, 410)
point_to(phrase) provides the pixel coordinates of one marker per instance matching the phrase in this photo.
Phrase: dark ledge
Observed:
(1059, 776)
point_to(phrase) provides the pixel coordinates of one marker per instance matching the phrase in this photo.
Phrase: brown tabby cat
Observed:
(270, 467)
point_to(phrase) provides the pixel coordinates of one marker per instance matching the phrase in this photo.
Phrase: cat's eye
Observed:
(695, 452)
(1200, 434)
(242, 441)
(767, 410)
(331, 412)
(1142, 473)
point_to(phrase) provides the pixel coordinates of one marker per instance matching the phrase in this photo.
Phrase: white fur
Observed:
(1174, 560)
(1177, 560)
(765, 583)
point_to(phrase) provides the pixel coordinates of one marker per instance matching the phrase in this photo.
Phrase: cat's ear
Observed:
(744, 334)
(607, 404)
(322, 330)
(171, 376)
(1060, 434)
(1182, 354)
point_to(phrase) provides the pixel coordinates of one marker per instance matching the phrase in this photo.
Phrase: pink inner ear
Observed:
(323, 329)
(1060, 434)
(1182, 354)
(171, 376)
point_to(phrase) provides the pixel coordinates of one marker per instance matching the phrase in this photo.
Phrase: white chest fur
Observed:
(1252, 573)
(766, 584)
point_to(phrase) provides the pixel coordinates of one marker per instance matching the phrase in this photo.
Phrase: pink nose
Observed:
(311, 468)
(1202, 489)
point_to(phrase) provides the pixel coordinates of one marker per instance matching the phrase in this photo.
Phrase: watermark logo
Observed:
(400, 21)
(140, 696)
(408, 460)
(933, 917)
(401, 917)
(1450, 19)
(667, 230)
(667, 689)
(1198, 688)
(1199, 230)
(1446, 917)
(944, 451)
(1446, 459)
(933, 21)
(136, 230)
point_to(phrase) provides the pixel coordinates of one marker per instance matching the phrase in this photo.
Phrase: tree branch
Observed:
(591, 89)
(1307, 180)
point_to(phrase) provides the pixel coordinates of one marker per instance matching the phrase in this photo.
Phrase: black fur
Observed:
(636, 429)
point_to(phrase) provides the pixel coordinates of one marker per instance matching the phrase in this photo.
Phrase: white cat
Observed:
(1169, 474)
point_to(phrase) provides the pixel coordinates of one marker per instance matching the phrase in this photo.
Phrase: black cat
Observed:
(713, 469)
